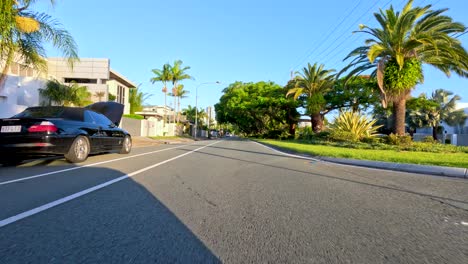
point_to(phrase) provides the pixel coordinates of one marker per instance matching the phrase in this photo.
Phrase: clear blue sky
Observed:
(227, 41)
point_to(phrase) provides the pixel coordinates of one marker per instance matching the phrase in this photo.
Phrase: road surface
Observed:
(227, 201)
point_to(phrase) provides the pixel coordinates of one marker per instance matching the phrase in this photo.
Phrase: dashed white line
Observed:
(44, 207)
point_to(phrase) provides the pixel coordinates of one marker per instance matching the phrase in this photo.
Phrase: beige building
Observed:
(95, 74)
(22, 85)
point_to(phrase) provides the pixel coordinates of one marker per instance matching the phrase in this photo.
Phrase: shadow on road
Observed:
(120, 223)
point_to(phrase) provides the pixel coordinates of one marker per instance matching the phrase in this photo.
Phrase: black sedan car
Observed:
(74, 132)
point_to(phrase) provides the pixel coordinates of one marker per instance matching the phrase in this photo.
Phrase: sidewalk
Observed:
(146, 141)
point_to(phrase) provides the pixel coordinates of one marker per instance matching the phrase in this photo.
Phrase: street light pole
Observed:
(196, 104)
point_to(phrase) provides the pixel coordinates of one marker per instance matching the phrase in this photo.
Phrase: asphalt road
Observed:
(230, 201)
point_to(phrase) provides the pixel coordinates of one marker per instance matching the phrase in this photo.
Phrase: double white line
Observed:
(44, 207)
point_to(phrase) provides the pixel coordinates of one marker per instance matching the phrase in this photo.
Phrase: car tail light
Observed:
(44, 126)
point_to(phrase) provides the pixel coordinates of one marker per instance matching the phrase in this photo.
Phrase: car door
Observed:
(94, 131)
(107, 131)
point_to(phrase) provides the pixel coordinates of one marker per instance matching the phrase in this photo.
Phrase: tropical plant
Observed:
(60, 94)
(310, 85)
(100, 95)
(178, 73)
(54, 92)
(137, 98)
(191, 114)
(354, 125)
(112, 97)
(457, 119)
(23, 34)
(77, 95)
(180, 93)
(398, 48)
(445, 108)
(164, 76)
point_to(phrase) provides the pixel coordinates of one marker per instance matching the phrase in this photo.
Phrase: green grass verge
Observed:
(426, 158)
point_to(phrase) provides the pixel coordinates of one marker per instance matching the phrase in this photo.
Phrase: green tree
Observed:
(137, 98)
(178, 73)
(190, 114)
(258, 109)
(445, 108)
(57, 93)
(164, 76)
(23, 34)
(311, 85)
(397, 49)
(181, 93)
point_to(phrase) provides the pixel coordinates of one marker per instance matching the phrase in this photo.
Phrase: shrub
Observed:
(429, 139)
(304, 133)
(134, 116)
(354, 123)
(338, 135)
(397, 140)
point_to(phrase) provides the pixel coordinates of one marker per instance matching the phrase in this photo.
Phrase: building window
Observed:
(121, 94)
(80, 80)
(103, 81)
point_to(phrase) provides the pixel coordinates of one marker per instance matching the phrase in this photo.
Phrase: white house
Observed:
(22, 85)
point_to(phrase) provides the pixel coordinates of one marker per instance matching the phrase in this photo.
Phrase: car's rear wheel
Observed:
(79, 150)
(126, 145)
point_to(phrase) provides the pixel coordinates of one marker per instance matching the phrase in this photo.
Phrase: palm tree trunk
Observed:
(178, 109)
(399, 114)
(434, 132)
(165, 107)
(317, 122)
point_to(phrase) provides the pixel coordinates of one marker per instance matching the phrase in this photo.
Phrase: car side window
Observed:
(101, 119)
(88, 118)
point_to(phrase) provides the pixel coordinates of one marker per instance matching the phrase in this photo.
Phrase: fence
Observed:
(150, 127)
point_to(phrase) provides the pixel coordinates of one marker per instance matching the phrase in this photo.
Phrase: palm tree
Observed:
(178, 74)
(164, 76)
(136, 99)
(181, 93)
(23, 34)
(310, 86)
(397, 49)
(54, 92)
(61, 94)
(445, 107)
(100, 95)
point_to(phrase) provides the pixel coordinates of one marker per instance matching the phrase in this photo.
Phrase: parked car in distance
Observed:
(74, 132)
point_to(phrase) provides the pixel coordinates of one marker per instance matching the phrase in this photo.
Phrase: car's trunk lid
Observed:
(111, 110)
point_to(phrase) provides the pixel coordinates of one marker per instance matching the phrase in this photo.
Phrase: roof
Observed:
(120, 78)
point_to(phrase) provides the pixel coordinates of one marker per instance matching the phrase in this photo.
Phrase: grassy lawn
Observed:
(427, 158)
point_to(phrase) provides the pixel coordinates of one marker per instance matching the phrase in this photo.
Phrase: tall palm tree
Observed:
(181, 93)
(23, 34)
(164, 76)
(178, 74)
(403, 42)
(310, 86)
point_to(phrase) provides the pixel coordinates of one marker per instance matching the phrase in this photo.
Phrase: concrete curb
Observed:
(414, 168)
(403, 167)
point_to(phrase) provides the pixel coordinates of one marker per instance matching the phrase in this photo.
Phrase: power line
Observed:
(346, 39)
(347, 30)
(309, 53)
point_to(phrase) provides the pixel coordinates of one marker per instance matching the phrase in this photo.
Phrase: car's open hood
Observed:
(111, 110)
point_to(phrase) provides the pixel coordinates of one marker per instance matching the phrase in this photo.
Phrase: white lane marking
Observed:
(88, 165)
(286, 154)
(44, 207)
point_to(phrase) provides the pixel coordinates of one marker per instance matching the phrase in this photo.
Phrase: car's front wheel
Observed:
(79, 150)
(126, 145)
